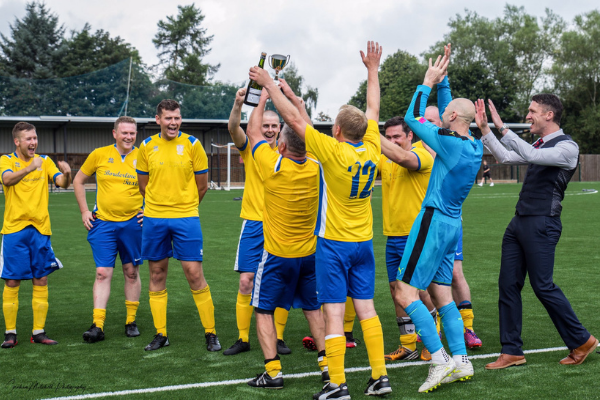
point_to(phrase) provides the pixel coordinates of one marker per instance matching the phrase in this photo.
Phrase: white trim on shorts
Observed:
(258, 278)
(237, 254)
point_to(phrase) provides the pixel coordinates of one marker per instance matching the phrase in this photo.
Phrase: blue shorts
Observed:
(430, 250)
(394, 249)
(27, 254)
(108, 238)
(285, 282)
(458, 255)
(184, 233)
(250, 247)
(345, 269)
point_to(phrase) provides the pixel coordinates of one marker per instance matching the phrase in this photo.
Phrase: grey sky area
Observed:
(323, 38)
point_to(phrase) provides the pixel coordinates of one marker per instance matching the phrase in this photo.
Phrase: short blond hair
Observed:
(126, 120)
(352, 122)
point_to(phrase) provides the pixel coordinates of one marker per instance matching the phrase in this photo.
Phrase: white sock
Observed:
(460, 359)
(440, 357)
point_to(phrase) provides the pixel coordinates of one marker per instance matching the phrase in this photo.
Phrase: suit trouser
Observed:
(528, 247)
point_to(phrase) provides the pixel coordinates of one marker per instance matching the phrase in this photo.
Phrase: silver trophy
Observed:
(278, 62)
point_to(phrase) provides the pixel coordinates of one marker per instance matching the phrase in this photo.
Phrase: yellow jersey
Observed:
(348, 173)
(253, 200)
(27, 201)
(403, 191)
(171, 165)
(118, 196)
(291, 191)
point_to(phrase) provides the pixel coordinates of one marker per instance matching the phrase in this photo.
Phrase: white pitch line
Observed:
(288, 376)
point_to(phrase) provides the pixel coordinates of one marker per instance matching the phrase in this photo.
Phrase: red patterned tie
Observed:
(538, 143)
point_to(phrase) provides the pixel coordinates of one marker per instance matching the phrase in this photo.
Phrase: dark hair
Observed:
(395, 121)
(124, 119)
(20, 127)
(293, 142)
(167, 104)
(550, 102)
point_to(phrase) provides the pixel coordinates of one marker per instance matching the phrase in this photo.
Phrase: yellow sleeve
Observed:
(425, 159)
(266, 159)
(200, 160)
(51, 169)
(319, 144)
(142, 161)
(5, 166)
(372, 135)
(91, 164)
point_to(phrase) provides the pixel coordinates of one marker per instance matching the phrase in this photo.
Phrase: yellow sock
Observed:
(373, 337)
(467, 317)
(158, 308)
(322, 359)
(132, 307)
(206, 309)
(99, 316)
(10, 306)
(436, 318)
(349, 315)
(335, 349)
(280, 316)
(39, 303)
(273, 367)
(409, 341)
(243, 315)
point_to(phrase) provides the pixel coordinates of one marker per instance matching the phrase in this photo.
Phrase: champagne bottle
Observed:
(254, 89)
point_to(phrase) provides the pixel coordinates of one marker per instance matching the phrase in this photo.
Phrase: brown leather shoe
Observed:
(506, 360)
(579, 354)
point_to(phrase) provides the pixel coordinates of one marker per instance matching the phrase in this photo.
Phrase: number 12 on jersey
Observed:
(367, 169)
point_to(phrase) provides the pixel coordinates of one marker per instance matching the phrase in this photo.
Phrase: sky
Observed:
(323, 38)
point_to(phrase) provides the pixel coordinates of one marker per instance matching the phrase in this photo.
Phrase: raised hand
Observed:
(481, 117)
(240, 96)
(495, 116)
(447, 51)
(373, 56)
(286, 89)
(260, 76)
(436, 71)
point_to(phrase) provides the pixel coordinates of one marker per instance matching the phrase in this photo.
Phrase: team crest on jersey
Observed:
(17, 165)
(111, 160)
(155, 148)
(134, 163)
(179, 149)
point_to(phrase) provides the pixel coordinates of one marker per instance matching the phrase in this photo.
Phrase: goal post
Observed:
(216, 166)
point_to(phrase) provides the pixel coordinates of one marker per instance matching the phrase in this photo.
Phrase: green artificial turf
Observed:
(120, 363)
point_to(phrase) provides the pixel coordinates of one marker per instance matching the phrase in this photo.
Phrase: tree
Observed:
(182, 43)
(508, 54)
(310, 95)
(35, 47)
(322, 117)
(87, 52)
(576, 77)
(399, 76)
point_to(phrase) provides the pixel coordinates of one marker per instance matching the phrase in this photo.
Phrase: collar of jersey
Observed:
(298, 162)
(355, 144)
(162, 137)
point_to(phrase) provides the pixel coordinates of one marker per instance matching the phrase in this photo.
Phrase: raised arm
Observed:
(295, 100)
(235, 130)
(10, 178)
(397, 154)
(444, 94)
(371, 61)
(287, 110)
(415, 119)
(255, 121)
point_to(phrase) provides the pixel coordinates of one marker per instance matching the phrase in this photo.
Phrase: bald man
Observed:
(429, 252)
(461, 293)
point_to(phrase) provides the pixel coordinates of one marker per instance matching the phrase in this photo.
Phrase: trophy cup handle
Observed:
(287, 60)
